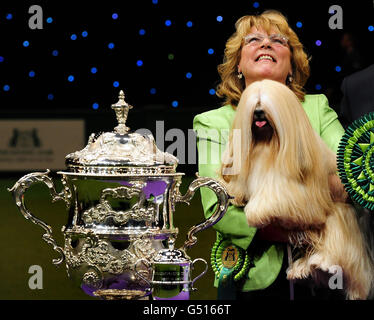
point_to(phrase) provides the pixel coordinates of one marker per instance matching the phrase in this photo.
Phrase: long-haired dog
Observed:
(280, 169)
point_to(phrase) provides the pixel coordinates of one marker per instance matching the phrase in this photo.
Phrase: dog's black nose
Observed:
(259, 114)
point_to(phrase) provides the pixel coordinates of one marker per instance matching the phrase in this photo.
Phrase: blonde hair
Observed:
(296, 151)
(231, 87)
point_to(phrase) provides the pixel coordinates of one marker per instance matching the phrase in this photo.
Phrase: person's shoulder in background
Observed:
(358, 95)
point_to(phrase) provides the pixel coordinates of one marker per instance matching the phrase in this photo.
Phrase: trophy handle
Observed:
(19, 189)
(139, 274)
(201, 274)
(223, 201)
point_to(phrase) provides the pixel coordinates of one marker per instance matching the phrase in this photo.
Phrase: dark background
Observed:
(188, 45)
(27, 97)
(167, 53)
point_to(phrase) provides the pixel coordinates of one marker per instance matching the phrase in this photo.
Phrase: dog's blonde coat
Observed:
(287, 181)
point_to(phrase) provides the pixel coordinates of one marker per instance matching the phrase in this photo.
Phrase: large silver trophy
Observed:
(120, 192)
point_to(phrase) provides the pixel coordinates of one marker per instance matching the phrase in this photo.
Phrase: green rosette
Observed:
(355, 160)
(237, 260)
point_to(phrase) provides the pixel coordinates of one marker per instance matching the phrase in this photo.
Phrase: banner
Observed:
(39, 144)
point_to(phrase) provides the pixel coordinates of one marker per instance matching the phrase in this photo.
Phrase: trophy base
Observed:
(121, 294)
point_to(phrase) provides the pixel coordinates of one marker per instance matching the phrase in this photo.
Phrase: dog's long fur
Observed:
(285, 174)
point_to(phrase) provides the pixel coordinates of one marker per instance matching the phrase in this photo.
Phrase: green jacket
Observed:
(212, 130)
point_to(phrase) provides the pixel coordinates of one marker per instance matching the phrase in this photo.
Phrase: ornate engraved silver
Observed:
(170, 267)
(19, 189)
(116, 294)
(103, 211)
(112, 171)
(222, 196)
(97, 255)
(121, 109)
(120, 192)
(121, 152)
(113, 150)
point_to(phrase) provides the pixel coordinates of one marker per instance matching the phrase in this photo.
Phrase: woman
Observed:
(263, 47)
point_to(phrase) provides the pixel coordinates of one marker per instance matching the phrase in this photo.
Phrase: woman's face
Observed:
(275, 63)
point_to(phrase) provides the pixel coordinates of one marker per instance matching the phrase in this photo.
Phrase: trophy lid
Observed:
(121, 152)
(171, 256)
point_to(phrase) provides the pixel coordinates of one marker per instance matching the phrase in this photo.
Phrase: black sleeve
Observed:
(345, 115)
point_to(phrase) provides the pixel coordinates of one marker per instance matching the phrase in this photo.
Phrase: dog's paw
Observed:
(298, 270)
(317, 261)
(356, 295)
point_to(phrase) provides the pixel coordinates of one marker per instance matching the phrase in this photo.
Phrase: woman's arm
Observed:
(331, 130)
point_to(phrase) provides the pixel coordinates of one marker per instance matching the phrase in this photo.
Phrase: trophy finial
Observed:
(121, 108)
(121, 95)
